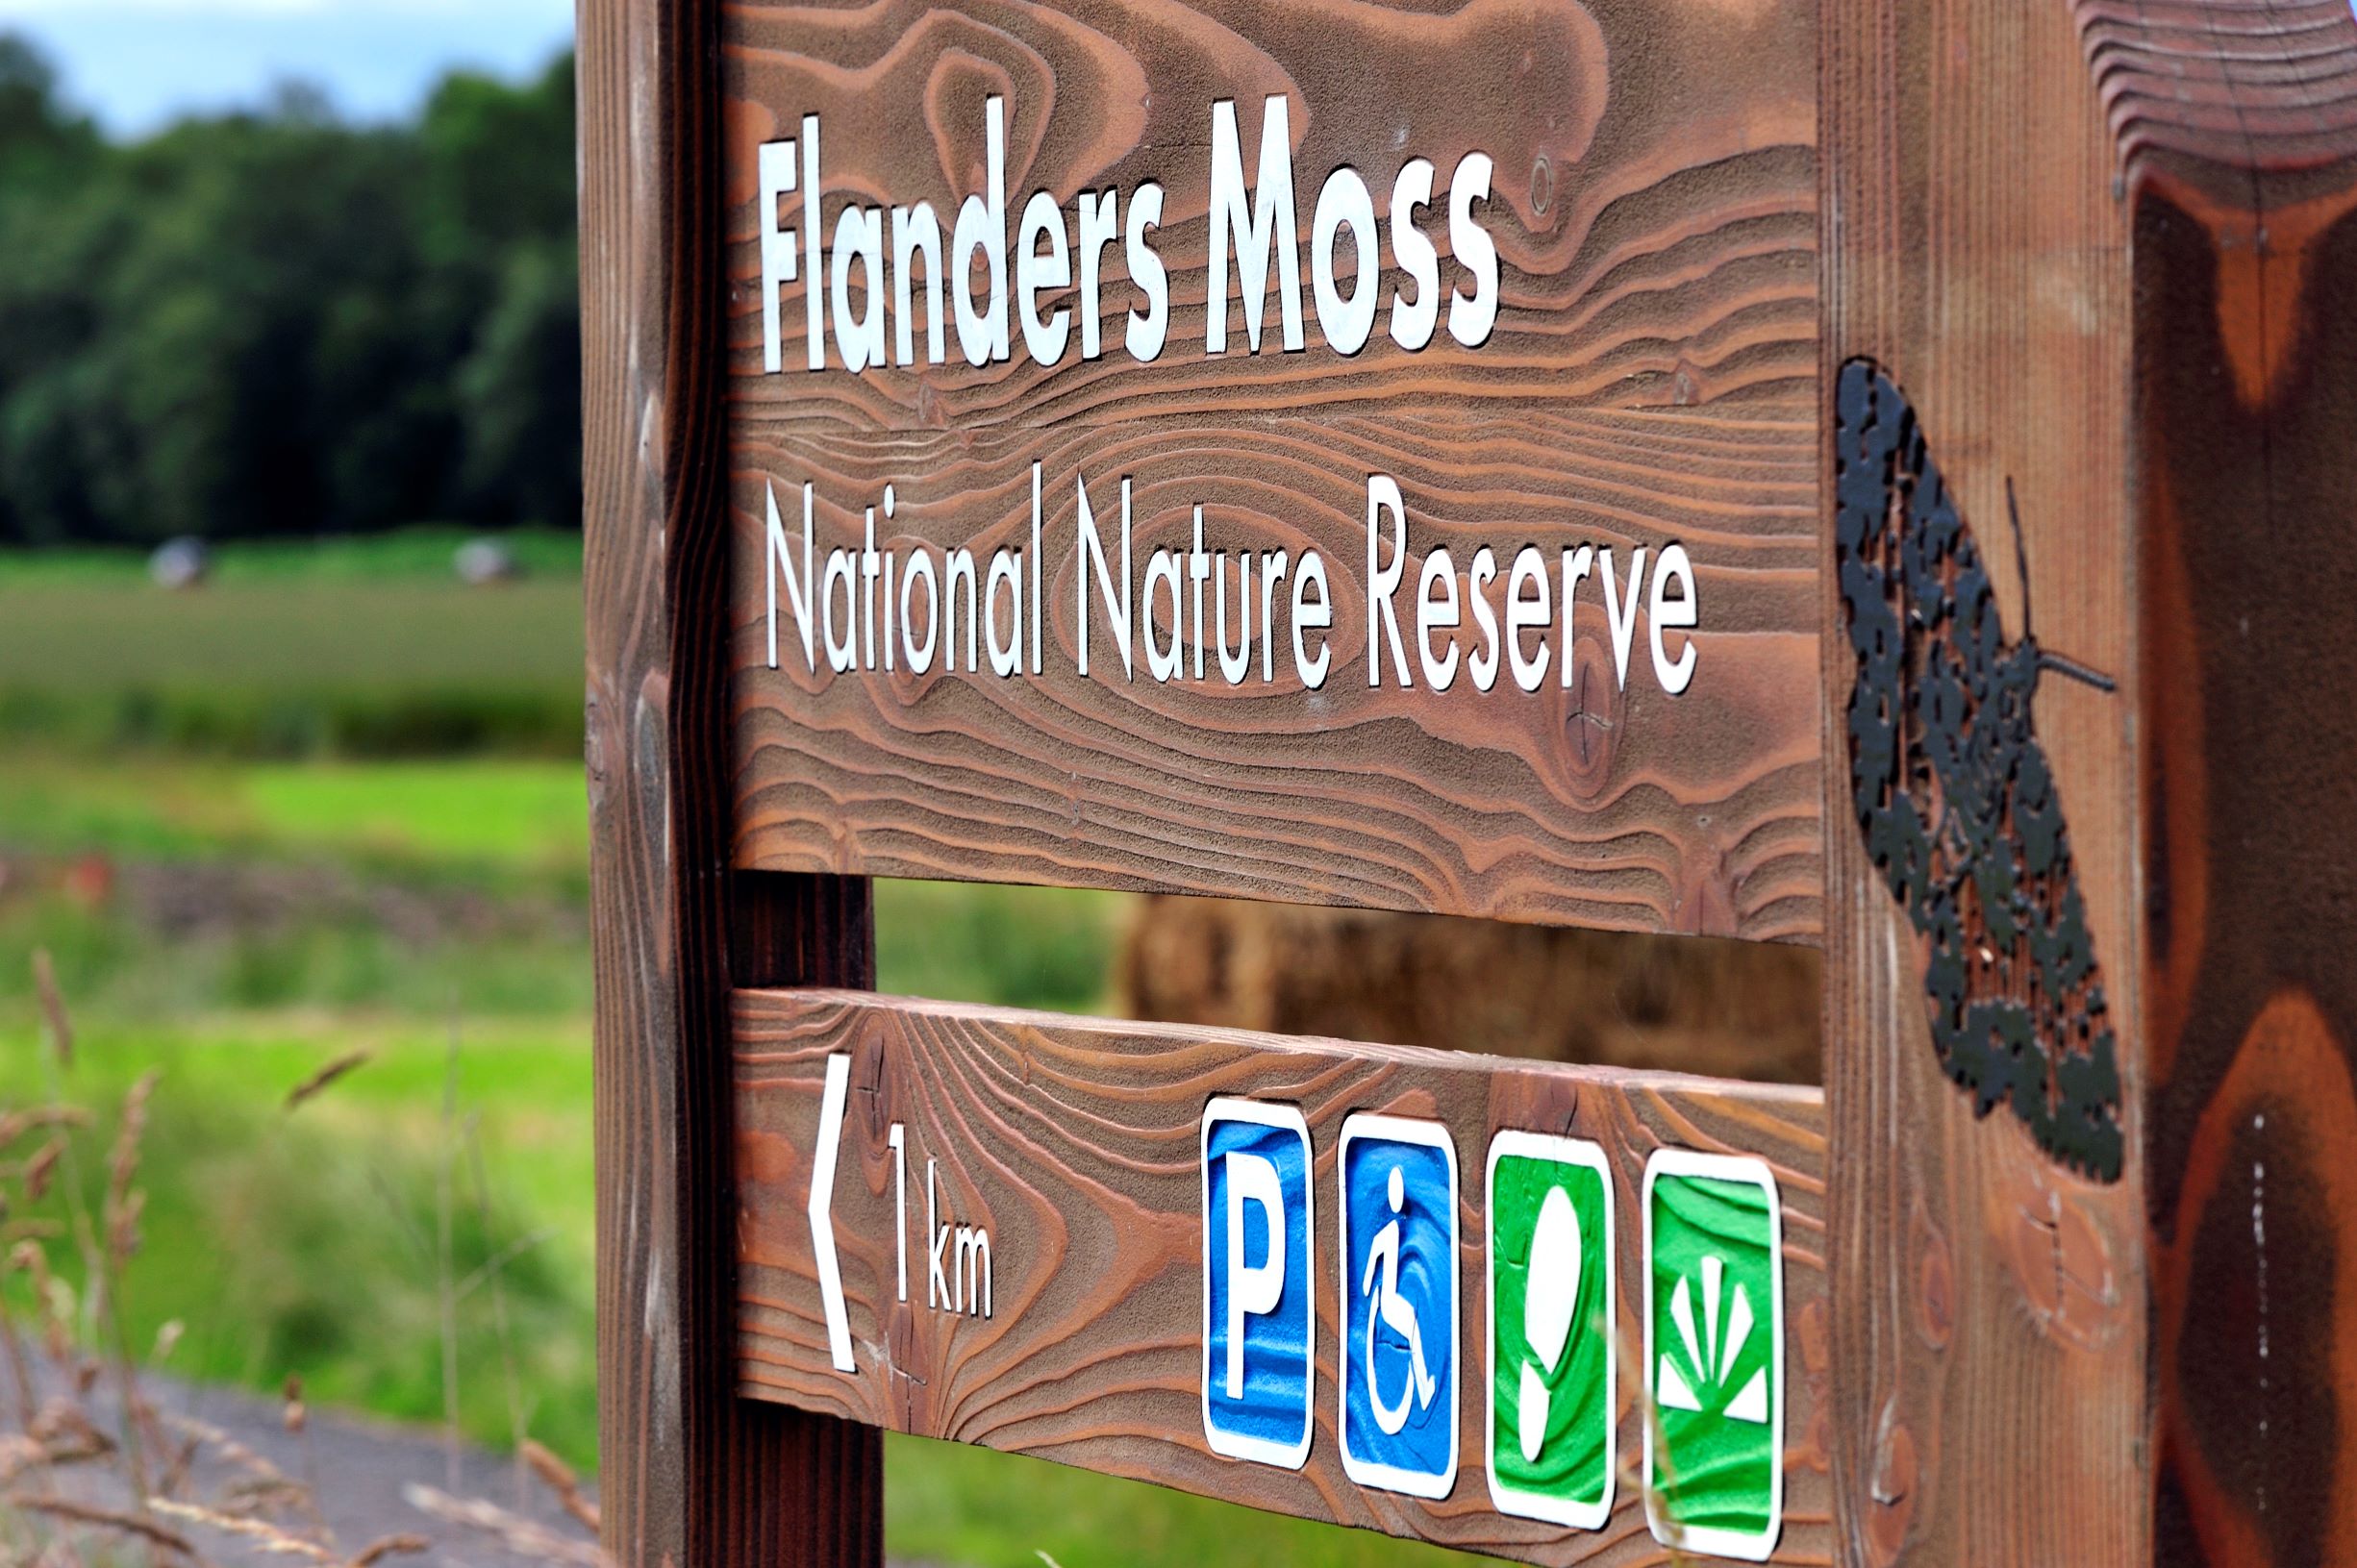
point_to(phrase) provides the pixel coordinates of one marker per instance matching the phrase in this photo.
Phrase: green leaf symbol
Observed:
(1709, 1356)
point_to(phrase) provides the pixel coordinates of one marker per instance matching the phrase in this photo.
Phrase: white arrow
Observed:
(822, 1208)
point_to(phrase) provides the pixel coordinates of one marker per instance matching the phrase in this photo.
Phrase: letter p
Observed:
(1255, 1291)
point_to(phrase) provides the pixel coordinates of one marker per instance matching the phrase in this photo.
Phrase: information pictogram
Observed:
(1551, 1378)
(1258, 1272)
(1713, 1354)
(1398, 1354)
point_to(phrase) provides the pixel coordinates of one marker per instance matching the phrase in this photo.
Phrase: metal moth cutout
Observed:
(1955, 797)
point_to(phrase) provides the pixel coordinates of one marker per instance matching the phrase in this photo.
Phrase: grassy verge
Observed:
(944, 1502)
(480, 821)
(316, 1241)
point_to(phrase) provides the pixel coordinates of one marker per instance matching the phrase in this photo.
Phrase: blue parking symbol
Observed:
(1398, 1354)
(1257, 1265)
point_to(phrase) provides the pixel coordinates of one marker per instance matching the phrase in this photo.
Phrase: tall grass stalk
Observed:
(74, 1490)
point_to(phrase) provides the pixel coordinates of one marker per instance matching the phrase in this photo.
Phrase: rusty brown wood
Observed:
(2238, 140)
(2102, 250)
(2145, 334)
(1650, 381)
(1992, 1331)
(691, 1474)
(1075, 1142)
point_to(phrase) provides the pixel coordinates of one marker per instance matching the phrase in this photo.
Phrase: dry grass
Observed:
(94, 1467)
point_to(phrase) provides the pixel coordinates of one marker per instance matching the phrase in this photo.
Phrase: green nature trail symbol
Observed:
(1546, 1311)
(1709, 1359)
(1550, 1397)
(1714, 1343)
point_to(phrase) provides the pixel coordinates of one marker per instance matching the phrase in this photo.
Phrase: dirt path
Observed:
(368, 1480)
(371, 1479)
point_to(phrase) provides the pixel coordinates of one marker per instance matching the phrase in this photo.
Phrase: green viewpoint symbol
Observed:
(1713, 1354)
(1551, 1374)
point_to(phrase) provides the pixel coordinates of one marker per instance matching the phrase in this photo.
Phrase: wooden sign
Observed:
(1305, 451)
(1030, 1231)
(1838, 471)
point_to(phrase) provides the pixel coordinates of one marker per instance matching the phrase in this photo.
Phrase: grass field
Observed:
(355, 648)
(234, 916)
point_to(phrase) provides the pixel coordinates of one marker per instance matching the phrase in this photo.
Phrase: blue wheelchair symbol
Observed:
(1257, 1265)
(1400, 1304)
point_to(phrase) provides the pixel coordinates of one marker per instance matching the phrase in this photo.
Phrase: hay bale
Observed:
(1729, 1009)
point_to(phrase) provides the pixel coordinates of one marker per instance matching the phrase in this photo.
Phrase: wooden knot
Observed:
(1592, 719)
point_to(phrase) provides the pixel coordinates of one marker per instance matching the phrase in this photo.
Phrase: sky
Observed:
(136, 64)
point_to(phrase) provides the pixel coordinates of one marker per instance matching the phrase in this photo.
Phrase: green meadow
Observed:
(330, 804)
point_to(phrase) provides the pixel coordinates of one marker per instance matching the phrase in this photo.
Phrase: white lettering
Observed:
(916, 233)
(1523, 615)
(920, 658)
(1254, 228)
(797, 585)
(1312, 612)
(813, 277)
(1044, 338)
(896, 1136)
(1272, 572)
(1090, 546)
(1471, 317)
(1482, 663)
(982, 226)
(972, 1270)
(1145, 334)
(937, 1278)
(1100, 225)
(1234, 667)
(859, 237)
(1413, 320)
(1009, 659)
(779, 265)
(1683, 613)
(844, 654)
(1576, 565)
(1619, 614)
(1437, 615)
(961, 563)
(1383, 494)
(1163, 566)
(1254, 1289)
(1344, 204)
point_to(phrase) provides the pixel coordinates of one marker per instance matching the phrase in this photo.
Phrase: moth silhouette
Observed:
(1955, 796)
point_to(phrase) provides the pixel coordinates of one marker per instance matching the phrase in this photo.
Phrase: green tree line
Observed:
(277, 323)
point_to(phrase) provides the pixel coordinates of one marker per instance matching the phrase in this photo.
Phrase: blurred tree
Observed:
(519, 392)
(498, 231)
(273, 322)
(37, 133)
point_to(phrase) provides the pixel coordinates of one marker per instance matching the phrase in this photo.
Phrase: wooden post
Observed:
(2076, 832)
(2100, 264)
(691, 1474)
(2239, 150)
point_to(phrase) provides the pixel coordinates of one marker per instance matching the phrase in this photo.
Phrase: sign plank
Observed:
(1014, 1230)
(1477, 428)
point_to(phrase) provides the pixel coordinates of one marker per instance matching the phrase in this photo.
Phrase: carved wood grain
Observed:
(1992, 1331)
(1076, 1141)
(1651, 380)
(2253, 103)
(2239, 144)
(1654, 188)
(690, 1475)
